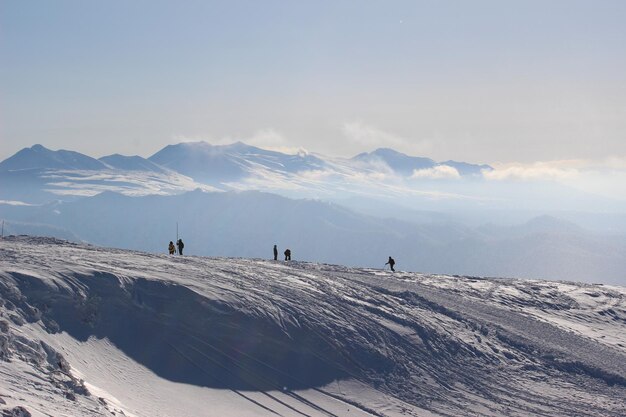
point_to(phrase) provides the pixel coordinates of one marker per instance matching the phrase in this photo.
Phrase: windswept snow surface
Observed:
(88, 331)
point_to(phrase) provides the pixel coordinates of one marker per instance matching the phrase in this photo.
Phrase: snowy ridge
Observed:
(94, 331)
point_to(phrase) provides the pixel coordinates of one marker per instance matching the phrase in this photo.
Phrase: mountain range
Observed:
(215, 163)
(38, 174)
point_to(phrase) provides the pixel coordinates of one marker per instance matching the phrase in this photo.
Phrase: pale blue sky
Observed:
(482, 81)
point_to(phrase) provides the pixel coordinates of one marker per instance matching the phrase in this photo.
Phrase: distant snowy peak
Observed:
(131, 163)
(400, 163)
(203, 161)
(407, 165)
(465, 168)
(39, 157)
(199, 160)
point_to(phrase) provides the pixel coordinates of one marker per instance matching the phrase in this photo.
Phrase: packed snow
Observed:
(89, 331)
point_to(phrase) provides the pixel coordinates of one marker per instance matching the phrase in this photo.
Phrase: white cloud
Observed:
(614, 162)
(191, 139)
(374, 165)
(437, 173)
(273, 140)
(317, 174)
(371, 137)
(14, 203)
(552, 170)
(266, 138)
(607, 183)
(606, 177)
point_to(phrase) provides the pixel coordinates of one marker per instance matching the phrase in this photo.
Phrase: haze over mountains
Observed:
(433, 217)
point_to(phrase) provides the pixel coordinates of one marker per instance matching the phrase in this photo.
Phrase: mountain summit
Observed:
(130, 163)
(406, 165)
(213, 163)
(40, 157)
(397, 161)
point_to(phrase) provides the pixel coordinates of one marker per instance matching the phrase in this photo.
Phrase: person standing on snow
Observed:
(275, 253)
(288, 254)
(391, 263)
(172, 248)
(180, 245)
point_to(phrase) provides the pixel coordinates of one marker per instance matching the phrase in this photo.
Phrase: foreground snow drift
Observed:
(92, 331)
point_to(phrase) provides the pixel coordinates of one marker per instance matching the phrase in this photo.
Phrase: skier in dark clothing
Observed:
(275, 253)
(180, 245)
(288, 254)
(391, 263)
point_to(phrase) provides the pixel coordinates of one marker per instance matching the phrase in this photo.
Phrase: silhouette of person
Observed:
(275, 253)
(391, 263)
(180, 245)
(172, 248)
(288, 254)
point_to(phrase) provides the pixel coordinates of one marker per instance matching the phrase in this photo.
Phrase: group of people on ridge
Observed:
(287, 253)
(180, 245)
(391, 262)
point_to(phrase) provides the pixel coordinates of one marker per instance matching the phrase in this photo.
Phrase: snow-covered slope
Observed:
(37, 186)
(221, 163)
(92, 331)
(131, 163)
(39, 175)
(406, 165)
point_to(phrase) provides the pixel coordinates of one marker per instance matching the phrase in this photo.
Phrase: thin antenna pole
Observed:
(177, 231)
(3, 228)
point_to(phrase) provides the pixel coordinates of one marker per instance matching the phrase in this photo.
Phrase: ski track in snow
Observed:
(88, 331)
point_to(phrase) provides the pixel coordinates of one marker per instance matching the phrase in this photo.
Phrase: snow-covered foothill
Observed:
(89, 331)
